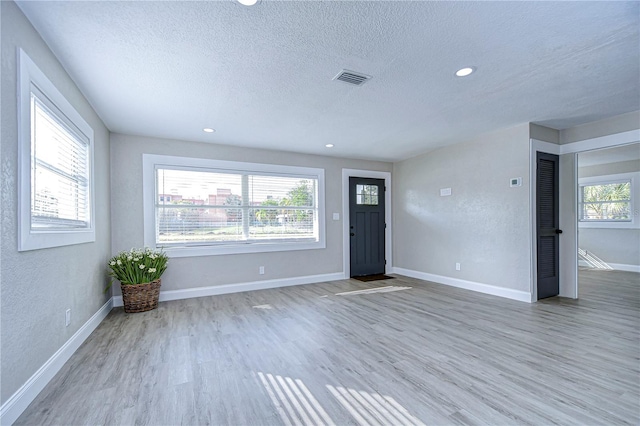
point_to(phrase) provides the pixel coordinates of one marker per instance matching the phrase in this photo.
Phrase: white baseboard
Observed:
(623, 267)
(521, 296)
(20, 400)
(615, 266)
(215, 290)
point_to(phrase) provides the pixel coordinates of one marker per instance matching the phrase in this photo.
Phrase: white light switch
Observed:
(445, 191)
(336, 216)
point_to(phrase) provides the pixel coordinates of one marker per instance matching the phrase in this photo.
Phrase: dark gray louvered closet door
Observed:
(547, 220)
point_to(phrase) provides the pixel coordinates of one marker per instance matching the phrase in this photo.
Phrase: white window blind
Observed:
(59, 169)
(196, 206)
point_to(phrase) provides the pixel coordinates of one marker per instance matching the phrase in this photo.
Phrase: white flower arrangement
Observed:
(137, 266)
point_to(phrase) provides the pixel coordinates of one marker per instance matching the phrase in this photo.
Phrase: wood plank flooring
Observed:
(429, 354)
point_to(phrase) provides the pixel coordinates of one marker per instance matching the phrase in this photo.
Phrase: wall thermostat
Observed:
(516, 182)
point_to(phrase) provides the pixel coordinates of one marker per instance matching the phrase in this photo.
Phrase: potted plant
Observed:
(139, 272)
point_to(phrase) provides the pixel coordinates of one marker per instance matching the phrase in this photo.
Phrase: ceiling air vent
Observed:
(352, 77)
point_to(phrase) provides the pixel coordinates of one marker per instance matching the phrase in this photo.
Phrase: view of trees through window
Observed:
(367, 194)
(201, 207)
(606, 202)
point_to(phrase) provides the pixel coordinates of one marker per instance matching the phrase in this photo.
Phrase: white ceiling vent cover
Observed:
(352, 77)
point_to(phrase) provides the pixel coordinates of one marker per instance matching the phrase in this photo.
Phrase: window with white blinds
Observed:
(60, 169)
(55, 165)
(208, 207)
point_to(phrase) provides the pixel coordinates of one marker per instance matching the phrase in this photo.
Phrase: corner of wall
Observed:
(545, 134)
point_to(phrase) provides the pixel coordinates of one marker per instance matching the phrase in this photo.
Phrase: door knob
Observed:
(558, 231)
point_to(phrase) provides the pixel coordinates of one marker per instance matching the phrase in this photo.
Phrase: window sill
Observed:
(48, 239)
(225, 249)
(608, 225)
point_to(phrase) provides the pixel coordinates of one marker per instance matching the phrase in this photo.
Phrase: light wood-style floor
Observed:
(430, 354)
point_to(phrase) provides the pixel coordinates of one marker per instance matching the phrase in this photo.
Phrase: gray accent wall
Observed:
(36, 287)
(609, 126)
(484, 224)
(543, 133)
(608, 169)
(194, 272)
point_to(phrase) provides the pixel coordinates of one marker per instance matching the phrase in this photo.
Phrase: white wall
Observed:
(195, 272)
(484, 224)
(38, 286)
(620, 248)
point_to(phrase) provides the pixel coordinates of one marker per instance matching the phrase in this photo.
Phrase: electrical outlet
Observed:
(261, 270)
(67, 317)
(457, 266)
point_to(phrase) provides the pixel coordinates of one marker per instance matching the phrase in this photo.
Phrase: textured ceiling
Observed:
(262, 76)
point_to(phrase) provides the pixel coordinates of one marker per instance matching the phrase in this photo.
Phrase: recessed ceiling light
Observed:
(329, 145)
(209, 130)
(463, 72)
(247, 2)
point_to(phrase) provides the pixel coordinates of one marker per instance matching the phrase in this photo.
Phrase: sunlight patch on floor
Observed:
(386, 289)
(295, 404)
(592, 260)
(263, 307)
(372, 408)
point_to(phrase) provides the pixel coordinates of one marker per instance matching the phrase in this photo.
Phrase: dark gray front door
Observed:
(547, 220)
(366, 226)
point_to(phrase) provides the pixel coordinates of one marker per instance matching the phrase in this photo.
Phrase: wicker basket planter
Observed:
(140, 297)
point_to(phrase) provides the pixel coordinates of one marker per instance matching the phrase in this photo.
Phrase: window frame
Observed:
(633, 178)
(46, 237)
(150, 162)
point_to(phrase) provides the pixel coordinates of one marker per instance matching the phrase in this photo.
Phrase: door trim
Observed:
(346, 250)
(568, 262)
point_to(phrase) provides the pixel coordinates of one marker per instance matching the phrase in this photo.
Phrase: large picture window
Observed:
(201, 207)
(56, 152)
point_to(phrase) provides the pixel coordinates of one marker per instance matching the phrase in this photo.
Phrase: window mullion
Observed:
(245, 205)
